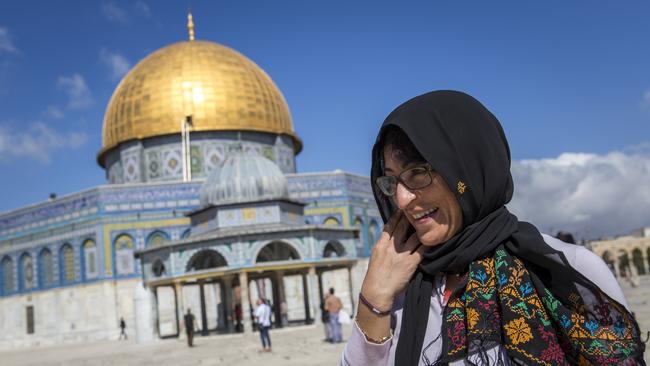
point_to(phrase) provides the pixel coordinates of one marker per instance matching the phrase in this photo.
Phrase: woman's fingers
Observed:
(389, 227)
(400, 230)
(412, 244)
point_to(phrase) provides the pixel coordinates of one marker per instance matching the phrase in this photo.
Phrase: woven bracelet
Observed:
(372, 307)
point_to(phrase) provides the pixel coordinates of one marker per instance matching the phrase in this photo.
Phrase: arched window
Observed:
(186, 234)
(124, 254)
(8, 280)
(277, 251)
(205, 259)
(66, 263)
(358, 223)
(158, 268)
(156, 239)
(46, 268)
(331, 221)
(333, 249)
(373, 233)
(90, 259)
(26, 273)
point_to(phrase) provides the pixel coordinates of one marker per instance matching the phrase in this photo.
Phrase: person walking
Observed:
(333, 305)
(263, 319)
(123, 329)
(189, 321)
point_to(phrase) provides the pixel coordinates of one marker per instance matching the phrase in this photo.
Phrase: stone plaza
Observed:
(297, 346)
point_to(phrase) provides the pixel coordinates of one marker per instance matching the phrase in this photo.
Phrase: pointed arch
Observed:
(331, 221)
(623, 263)
(8, 279)
(277, 251)
(637, 260)
(66, 264)
(156, 239)
(89, 258)
(334, 249)
(124, 248)
(205, 259)
(46, 268)
(26, 272)
(373, 233)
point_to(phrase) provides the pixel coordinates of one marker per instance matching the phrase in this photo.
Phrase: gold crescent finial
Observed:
(190, 26)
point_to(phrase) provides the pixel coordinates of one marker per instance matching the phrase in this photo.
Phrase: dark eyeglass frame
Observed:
(393, 180)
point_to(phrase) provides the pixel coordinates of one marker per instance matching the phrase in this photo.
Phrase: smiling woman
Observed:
(463, 280)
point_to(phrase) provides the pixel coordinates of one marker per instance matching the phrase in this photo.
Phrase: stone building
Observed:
(627, 256)
(68, 266)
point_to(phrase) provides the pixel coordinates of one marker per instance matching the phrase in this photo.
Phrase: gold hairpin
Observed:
(461, 187)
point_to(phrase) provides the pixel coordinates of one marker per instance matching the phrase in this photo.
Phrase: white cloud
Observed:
(79, 95)
(6, 45)
(589, 195)
(114, 13)
(117, 64)
(142, 8)
(645, 102)
(54, 112)
(37, 142)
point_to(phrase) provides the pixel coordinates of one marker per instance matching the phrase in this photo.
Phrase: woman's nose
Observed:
(403, 196)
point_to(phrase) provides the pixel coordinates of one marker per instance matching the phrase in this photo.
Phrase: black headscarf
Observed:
(466, 145)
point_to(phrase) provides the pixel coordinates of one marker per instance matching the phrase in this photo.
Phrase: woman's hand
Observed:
(392, 262)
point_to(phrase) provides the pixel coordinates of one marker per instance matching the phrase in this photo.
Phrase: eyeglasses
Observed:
(414, 178)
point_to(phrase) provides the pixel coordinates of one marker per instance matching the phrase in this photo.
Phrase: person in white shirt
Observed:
(263, 319)
(455, 278)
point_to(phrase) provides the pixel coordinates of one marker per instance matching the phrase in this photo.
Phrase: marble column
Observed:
(178, 289)
(315, 292)
(278, 296)
(245, 301)
(306, 300)
(228, 303)
(352, 294)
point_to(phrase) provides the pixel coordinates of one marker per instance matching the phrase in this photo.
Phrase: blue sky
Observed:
(563, 77)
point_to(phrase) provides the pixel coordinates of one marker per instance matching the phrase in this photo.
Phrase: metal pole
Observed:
(183, 148)
(188, 148)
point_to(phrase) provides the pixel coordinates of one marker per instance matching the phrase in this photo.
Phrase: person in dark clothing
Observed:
(239, 326)
(189, 327)
(123, 329)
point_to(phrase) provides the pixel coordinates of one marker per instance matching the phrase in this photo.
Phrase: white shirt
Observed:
(263, 315)
(359, 352)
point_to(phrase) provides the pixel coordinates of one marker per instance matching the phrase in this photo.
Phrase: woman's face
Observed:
(442, 214)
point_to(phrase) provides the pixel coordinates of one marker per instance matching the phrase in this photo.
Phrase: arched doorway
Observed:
(205, 297)
(637, 259)
(277, 251)
(205, 259)
(623, 264)
(273, 285)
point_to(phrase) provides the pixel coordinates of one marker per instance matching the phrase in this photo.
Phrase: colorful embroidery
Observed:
(500, 304)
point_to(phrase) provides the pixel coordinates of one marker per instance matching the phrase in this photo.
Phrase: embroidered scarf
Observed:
(499, 303)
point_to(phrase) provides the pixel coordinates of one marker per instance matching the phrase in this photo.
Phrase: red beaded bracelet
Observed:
(372, 307)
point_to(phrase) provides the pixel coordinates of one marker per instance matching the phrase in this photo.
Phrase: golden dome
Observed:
(222, 90)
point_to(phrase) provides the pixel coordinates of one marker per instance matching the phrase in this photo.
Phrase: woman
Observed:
(455, 278)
